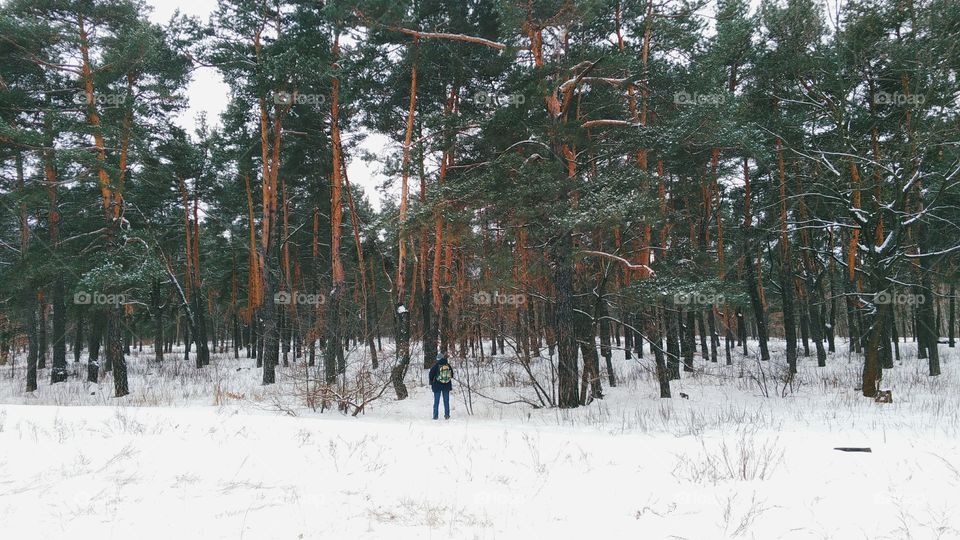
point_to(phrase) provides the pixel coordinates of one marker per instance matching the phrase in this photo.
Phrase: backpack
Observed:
(444, 374)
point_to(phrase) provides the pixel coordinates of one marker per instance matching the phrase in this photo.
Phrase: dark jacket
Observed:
(433, 376)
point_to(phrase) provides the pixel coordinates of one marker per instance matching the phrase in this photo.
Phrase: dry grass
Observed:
(721, 397)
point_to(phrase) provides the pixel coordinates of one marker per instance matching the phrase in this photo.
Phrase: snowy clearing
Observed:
(725, 463)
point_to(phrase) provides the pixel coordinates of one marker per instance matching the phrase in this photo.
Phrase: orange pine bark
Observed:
(855, 234)
(405, 179)
(336, 198)
(255, 294)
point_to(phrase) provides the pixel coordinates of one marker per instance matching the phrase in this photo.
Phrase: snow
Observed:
(177, 459)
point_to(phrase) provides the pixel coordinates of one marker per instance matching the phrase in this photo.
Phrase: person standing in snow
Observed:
(441, 375)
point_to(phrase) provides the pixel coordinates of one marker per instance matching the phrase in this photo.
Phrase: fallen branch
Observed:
(495, 400)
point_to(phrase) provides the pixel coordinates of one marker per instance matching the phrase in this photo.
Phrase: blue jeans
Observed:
(446, 403)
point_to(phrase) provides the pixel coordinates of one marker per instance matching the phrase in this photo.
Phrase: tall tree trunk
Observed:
(270, 336)
(96, 337)
(402, 315)
(334, 348)
(114, 351)
(653, 335)
(563, 317)
(28, 292)
(112, 205)
(157, 313)
(5, 335)
(237, 336)
(789, 325)
(257, 330)
(832, 326)
(894, 337)
(952, 320)
(853, 326)
(403, 351)
(41, 330)
(874, 331)
(584, 327)
(78, 336)
(714, 335)
(756, 304)
(670, 314)
(603, 317)
(198, 332)
(804, 319)
(813, 285)
(702, 332)
(333, 341)
(816, 323)
(59, 371)
(742, 331)
(929, 333)
(688, 338)
(187, 342)
(886, 352)
(30, 322)
(726, 319)
(750, 273)
(628, 343)
(268, 286)
(427, 319)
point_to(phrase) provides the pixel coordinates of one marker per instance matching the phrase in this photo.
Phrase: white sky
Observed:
(207, 93)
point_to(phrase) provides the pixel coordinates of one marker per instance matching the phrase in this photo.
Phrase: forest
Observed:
(630, 175)
(584, 202)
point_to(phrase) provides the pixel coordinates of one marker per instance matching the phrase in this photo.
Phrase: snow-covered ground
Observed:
(212, 454)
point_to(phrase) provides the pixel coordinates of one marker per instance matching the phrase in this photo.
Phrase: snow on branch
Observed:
(608, 122)
(432, 35)
(620, 260)
(566, 85)
(451, 37)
